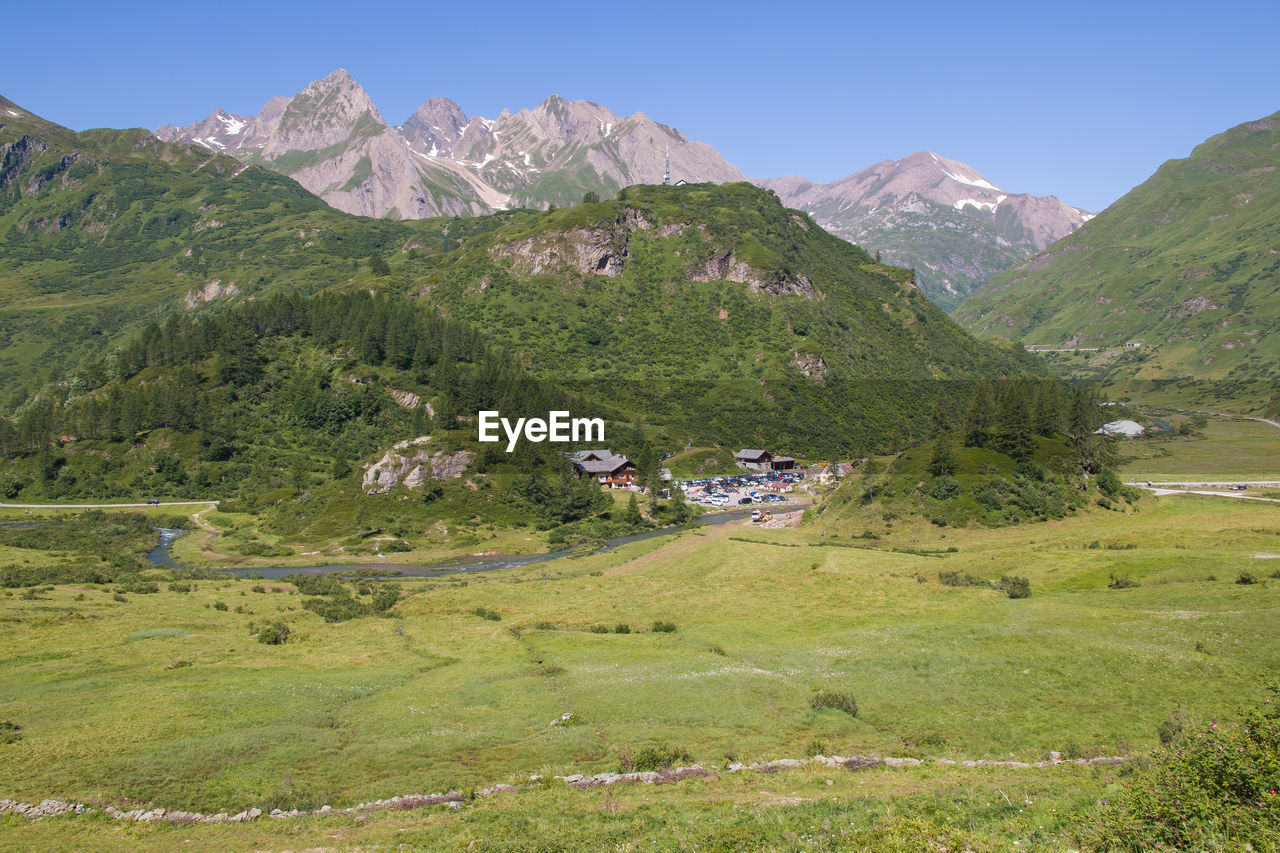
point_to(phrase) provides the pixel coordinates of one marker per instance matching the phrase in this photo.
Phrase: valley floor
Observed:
(167, 699)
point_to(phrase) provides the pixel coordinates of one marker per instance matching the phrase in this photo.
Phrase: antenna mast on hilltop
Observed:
(666, 170)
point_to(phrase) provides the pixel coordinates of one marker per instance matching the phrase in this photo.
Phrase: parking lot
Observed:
(753, 487)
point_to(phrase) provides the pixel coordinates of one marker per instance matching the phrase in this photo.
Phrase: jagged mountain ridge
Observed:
(936, 215)
(331, 138)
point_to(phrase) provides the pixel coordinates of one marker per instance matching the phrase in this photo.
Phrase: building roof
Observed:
(784, 459)
(751, 454)
(597, 461)
(1125, 428)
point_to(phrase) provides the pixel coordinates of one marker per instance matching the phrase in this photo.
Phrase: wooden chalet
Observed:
(754, 460)
(604, 466)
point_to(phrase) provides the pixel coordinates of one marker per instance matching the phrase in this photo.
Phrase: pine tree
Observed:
(1048, 420)
(679, 509)
(1094, 453)
(1014, 434)
(943, 461)
(979, 421)
(632, 515)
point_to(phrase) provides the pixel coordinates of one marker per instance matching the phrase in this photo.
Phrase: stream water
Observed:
(160, 555)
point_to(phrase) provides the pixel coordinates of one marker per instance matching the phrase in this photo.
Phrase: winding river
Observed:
(160, 554)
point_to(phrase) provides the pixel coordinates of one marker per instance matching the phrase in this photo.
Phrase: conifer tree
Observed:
(1014, 434)
(943, 461)
(632, 515)
(979, 421)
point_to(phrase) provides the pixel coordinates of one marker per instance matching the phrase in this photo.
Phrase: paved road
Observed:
(1236, 495)
(104, 506)
(1260, 484)
(1275, 424)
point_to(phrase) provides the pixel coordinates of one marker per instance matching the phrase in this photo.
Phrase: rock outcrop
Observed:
(212, 290)
(408, 463)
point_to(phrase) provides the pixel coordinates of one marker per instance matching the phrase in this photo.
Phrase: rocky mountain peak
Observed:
(328, 111)
(436, 126)
(940, 216)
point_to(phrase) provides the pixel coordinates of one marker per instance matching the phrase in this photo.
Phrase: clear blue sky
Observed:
(1082, 100)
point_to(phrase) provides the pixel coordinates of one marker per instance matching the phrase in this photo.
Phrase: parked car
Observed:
(153, 501)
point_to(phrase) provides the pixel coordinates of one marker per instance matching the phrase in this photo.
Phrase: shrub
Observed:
(1015, 587)
(1172, 728)
(486, 613)
(945, 488)
(1121, 582)
(220, 605)
(273, 634)
(10, 732)
(653, 758)
(1246, 577)
(1212, 787)
(385, 597)
(599, 629)
(622, 628)
(839, 701)
(545, 626)
(958, 579)
(1109, 484)
(336, 608)
(315, 584)
(661, 627)
(260, 588)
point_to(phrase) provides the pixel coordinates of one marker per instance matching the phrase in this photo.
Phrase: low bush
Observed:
(945, 488)
(10, 732)
(1211, 787)
(486, 613)
(839, 701)
(1246, 578)
(273, 634)
(1121, 582)
(599, 629)
(959, 579)
(622, 628)
(1015, 587)
(661, 627)
(655, 758)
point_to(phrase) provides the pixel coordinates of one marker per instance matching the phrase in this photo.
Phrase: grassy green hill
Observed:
(1187, 264)
(175, 323)
(717, 311)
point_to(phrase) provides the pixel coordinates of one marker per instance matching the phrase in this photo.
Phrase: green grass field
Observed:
(1227, 450)
(162, 698)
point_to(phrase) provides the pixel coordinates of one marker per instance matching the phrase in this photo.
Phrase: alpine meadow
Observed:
(543, 483)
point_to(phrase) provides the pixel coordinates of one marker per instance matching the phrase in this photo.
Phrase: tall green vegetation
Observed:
(1189, 256)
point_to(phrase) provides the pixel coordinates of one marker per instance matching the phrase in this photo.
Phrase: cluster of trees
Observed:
(188, 374)
(1008, 417)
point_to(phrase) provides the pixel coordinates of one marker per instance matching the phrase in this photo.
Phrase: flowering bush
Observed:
(1212, 787)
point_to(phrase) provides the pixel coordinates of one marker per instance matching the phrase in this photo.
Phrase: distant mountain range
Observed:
(1186, 266)
(331, 138)
(941, 217)
(937, 216)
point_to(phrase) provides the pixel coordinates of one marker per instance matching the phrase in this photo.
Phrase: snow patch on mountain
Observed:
(978, 182)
